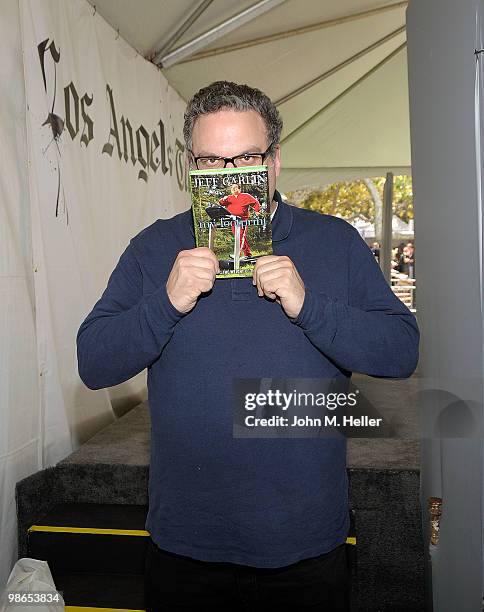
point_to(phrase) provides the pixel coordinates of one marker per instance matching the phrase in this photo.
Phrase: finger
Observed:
(270, 273)
(200, 254)
(202, 282)
(203, 275)
(267, 258)
(188, 263)
(203, 252)
(282, 265)
(263, 260)
(271, 260)
(274, 284)
(271, 263)
(260, 263)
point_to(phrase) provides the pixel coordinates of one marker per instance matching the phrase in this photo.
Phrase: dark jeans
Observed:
(175, 582)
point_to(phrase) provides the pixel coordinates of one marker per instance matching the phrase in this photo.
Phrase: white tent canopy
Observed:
(338, 72)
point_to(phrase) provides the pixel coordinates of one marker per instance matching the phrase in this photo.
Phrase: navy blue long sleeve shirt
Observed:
(259, 502)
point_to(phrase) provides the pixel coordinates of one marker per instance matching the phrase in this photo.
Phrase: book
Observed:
(231, 216)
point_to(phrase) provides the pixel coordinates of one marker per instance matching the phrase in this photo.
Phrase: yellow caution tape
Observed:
(94, 530)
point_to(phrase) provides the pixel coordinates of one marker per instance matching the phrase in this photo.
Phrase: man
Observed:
(407, 260)
(243, 523)
(375, 249)
(238, 204)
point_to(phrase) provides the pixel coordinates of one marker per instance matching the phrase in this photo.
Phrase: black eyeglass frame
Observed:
(266, 153)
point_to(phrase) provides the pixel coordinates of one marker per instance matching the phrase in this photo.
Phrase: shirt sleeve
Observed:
(374, 333)
(255, 204)
(125, 331)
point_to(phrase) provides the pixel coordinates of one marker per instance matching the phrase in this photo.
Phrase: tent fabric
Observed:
(355, 121)
(20, 403)
(114, 168)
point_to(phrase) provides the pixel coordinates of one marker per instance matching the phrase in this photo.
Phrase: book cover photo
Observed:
(231, 216)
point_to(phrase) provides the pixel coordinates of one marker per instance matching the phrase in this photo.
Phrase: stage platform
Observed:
(111, 470)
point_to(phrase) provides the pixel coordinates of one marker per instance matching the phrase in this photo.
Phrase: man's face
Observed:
(235, 189)
(227, 133)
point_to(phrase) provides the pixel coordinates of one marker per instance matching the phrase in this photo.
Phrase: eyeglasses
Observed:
(245, 159)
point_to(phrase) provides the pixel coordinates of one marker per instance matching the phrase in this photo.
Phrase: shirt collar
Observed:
(281, 220)
(274, 211)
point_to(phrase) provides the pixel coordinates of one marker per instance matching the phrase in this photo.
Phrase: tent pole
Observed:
(343, 93)
(386, 238)
(222, 29)
(294, 32)
(340, 66)
(162, 47)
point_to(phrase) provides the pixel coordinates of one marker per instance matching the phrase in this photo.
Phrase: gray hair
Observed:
(222, 95)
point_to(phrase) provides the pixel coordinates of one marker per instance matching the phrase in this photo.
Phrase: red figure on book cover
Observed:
(238, 204)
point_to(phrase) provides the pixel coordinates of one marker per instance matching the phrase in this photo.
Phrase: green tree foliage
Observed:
(352, 200)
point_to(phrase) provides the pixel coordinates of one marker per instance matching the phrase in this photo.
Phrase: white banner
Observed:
(106, 160)
(20, 443)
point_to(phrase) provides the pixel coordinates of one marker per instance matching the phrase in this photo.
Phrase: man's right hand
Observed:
(192, 273)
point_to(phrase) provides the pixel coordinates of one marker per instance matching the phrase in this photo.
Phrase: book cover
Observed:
(231, 216)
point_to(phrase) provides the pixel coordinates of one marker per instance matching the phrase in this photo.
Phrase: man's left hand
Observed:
(277, 278)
